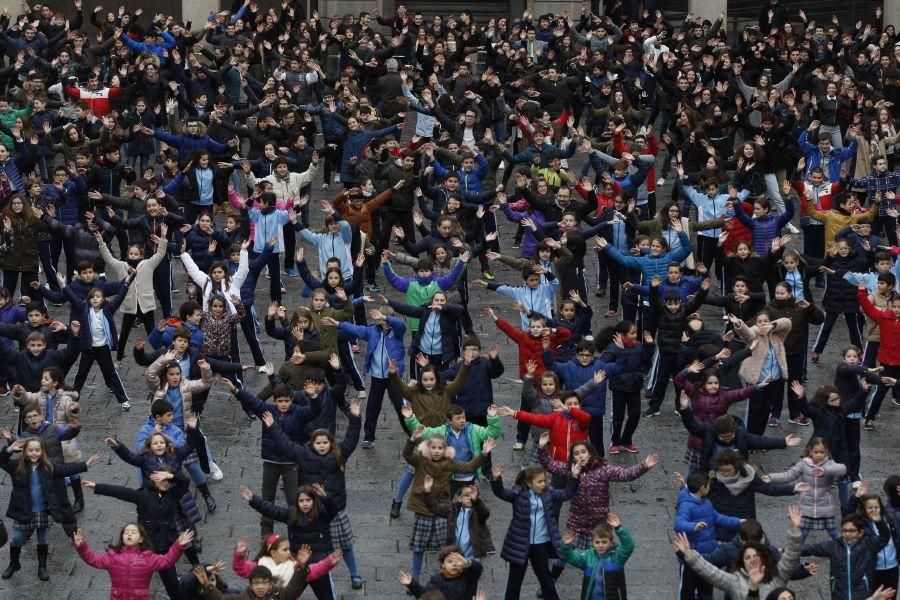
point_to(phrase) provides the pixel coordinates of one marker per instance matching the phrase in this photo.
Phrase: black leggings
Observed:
(759, 408)
(595, 433)
(128, 320)
(539, 557)
(630, 403)
(10, 278)
(855, 324)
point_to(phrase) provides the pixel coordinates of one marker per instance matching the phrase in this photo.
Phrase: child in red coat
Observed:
(567, 423)
(530, 342)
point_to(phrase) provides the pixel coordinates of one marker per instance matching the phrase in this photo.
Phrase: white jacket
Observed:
(289, 186)
(140, 293)
(208, 287)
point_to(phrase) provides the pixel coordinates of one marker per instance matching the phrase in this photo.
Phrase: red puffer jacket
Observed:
(130, 569)
(566, 428)
(888, 327)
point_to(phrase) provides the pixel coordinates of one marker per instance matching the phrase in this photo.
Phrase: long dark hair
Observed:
(439, 384)
(313, 513)
(596, 459)
(605, 336)
(776, 593)
(765, 557)
(892, 490)
(145, 538)
(23, 470)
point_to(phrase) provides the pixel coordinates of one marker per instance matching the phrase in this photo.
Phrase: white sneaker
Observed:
(126, 406)
(362, 394)
(792, 228)
(661, 181)
(337, 177)
(262, 369)
(215, 472)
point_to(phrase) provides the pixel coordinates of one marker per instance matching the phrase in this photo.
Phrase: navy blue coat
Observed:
(81, 309)
(516, 544)
(448, 319)
(28, 367)
(477, 393)
(631, 360)
(52, 484)
(317, 468)
(743, 440)
(293, 423)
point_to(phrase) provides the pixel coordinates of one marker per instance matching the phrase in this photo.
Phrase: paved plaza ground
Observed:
(646, 506)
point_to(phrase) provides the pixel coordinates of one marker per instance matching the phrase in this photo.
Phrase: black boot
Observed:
(210, 502)
(556, 571)
(395, 509)
(78, 505)
(14, 553)
(43, 550)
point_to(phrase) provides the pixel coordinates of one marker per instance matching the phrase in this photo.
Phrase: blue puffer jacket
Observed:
(652, 266)
(331, 127)
(852, 565)
(574, 375)
(11, 314)
(293, 423)
(477, 393)
(693, 510)
(630, 360)
(515, 546)
(373, 334)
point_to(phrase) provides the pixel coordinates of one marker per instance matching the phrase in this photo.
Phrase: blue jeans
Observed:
(20, 537)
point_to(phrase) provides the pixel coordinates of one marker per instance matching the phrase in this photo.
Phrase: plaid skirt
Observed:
(341, 532)
(818, 523)
(39, 520)
(583, 541)
(692, 459)
(429, 533)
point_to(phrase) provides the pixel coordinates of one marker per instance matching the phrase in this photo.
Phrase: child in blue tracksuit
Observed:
(698, 519)
(98, 335)
(384, 343)
(534, 296)
(249, 323)
(577, 372)
(269, 222)
(334, 242)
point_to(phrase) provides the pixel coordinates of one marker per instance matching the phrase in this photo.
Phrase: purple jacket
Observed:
(529, 242)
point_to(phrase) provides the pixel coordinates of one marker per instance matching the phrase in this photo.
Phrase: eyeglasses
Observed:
(849, 530)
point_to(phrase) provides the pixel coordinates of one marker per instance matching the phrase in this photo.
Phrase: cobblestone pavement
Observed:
(645, 506)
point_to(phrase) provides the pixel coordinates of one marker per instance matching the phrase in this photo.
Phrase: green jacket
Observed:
(476, 434)
(612, 563)
(9, 119)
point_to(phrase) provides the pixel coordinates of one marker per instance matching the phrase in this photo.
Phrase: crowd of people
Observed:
(646, 169)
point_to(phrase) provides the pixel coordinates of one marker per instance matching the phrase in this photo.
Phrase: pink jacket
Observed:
(752, 366)
(239, 202)
(130, 569)
(242, 567)
(706, 408)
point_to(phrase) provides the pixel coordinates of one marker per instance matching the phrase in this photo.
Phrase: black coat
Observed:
(743, 503)
(458, 588)
(448, 319)
(671, 325)
(840, 295)
(853, 566)
(52, 483)
(316, 533)
(317, 468)
(479, 533)
(156, 511)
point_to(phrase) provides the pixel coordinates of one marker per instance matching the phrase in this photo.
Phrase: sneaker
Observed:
(291, 273)
(855, 485)
(773, 422)
(395, 509)
(651, 412)
(356, 583)
(368, 444)
(792, 228)
(631, 448)
(324, 186)
(362, 394)
(261, 369)
(597, 293)
(374, 288)
(661, 181)
(354, 348)
(869, 425)
(267, 273)
(215, 472)
(517, 245)
(815, 357)
(250, 416)
(4, 390)
(614, 449)
(799, 420)
(518, 446)
(126, 406)
(895, 401)
(488, 276)
(337, 177)
(611, 314)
